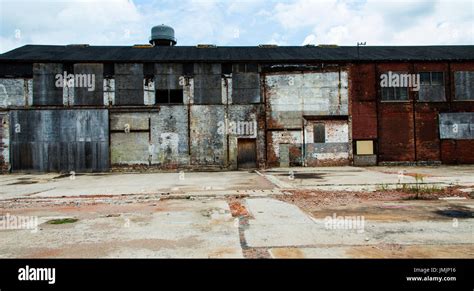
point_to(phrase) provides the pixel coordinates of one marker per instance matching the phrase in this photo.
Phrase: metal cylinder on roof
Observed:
(162, 35)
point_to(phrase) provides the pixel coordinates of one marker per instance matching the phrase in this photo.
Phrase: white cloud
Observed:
(242, 22)
(380, 22)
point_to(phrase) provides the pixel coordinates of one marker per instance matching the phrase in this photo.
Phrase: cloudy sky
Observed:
(240, 23)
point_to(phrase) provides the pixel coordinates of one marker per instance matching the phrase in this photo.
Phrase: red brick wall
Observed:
(407, 131)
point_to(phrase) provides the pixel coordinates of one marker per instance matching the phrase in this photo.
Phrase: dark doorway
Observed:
(247, 153)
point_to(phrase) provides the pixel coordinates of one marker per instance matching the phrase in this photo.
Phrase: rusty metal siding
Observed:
(207, 84)
(59, 140)
(45, 91)
(129, 84)
(84, 96)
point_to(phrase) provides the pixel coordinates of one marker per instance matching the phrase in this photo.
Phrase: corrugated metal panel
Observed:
(59, 140)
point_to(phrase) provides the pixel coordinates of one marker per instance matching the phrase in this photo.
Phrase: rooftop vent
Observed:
(162, 35)
(328, 45)
(142, 45)
(206, 45)
(78, 45)
(267, 45)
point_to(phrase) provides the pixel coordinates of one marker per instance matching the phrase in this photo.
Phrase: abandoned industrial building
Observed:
(98, 108)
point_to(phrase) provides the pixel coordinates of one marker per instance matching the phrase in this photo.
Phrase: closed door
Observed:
(247, 153)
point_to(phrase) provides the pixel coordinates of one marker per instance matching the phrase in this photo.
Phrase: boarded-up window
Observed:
(432, 87)
(319, 133)
(365, 147)
(464, 85)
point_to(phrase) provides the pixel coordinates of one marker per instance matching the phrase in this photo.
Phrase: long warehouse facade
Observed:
(99, 108)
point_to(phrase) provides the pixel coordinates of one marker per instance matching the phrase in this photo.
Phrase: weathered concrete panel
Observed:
(4, 143)
(130, 148)
(167, 76)
(109, 91)
(291, 95)
(169, 136)
(129, 84)
(207, 144)
(245, 121)
(59, 140)
(45, 91)
(336, 148)
(294, 140)
(92, 95)
(129, 121)
(149, 91)
(13, 92)
(458, 125)
(365, 160)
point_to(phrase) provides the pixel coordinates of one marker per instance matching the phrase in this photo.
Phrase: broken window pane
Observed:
(433, 90)
(176, 96)
(464, 85)
(437, 78)
(425, 78)
(161, 96)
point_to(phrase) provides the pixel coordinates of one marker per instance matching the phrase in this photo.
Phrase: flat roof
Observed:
(77, 53)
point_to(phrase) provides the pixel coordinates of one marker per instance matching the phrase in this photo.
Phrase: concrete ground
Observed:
(267, 214)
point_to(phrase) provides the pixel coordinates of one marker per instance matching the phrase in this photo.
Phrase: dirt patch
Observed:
(316, 198)
(411, 251)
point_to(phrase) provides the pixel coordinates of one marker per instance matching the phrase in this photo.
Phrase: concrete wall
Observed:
(292, 97)
(336, 148)
(129, 139)
(4, 142)
(15, 92)
(169, 137)
(208, 146)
